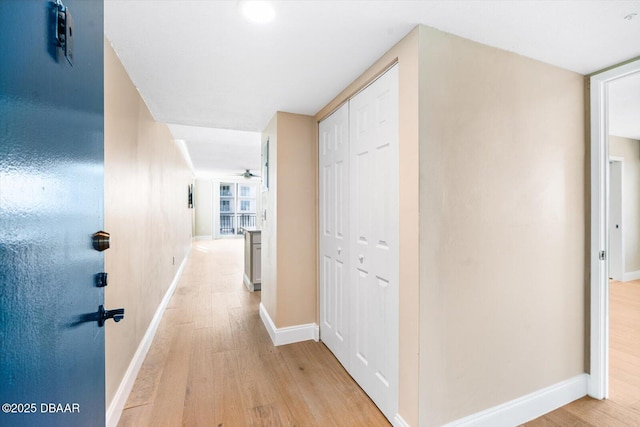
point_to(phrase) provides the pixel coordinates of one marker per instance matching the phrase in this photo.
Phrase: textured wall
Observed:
(297, 213)
(146, 180)
(502, 226)
(269, 248)
(289, 232)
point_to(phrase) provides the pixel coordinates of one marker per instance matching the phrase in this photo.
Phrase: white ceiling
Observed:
(220, 153)
(200, 63)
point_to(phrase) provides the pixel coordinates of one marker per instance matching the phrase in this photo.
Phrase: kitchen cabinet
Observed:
(252, 259)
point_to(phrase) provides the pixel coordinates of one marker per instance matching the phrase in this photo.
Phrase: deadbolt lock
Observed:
(101, 241)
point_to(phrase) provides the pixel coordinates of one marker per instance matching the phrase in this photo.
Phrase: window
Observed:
(238, 206)
(225, 190)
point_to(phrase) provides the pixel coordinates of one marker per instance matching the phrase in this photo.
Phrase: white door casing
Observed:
(334, 232)
(599, 295)
(373, 253)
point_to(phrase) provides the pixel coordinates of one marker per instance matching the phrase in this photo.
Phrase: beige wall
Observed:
(630, 150)
(203, 207)
(146, 180)
(501, 163)
(502, 226)
(406, 54)
(297, 213)
(269, 236)
(289, 233)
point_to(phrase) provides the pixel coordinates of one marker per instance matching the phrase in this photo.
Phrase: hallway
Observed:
(212, 362)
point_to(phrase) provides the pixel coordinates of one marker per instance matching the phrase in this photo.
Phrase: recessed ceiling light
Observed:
(258, 11)
(630, 16)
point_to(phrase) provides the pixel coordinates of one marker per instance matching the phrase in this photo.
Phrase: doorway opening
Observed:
(613, 240)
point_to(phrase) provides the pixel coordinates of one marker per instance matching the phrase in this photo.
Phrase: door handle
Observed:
(116, 314)
(361, 258)
(339, 251)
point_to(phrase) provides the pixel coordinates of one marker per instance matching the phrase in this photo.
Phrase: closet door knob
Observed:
(361, 258)
(339, 251)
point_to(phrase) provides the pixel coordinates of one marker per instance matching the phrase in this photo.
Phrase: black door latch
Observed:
(116, 314)
(102, 280)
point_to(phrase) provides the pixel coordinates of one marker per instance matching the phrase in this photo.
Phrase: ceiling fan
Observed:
(248, 174)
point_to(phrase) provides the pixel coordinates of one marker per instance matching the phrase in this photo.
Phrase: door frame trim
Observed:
(599, 290)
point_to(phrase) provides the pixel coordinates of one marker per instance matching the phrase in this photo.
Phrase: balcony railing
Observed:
(231, 224)
(227, 224)
(247, 220)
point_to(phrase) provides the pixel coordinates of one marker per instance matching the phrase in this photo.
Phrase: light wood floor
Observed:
(212, 362)
(623, 406)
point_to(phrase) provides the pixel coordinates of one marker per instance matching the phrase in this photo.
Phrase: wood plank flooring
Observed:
(212, 362)
(623, 406)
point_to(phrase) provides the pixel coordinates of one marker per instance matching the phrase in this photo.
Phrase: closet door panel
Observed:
(334, 233)
(374, 240)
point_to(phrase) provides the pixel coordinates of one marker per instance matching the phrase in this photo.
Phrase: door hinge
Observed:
(602, 256)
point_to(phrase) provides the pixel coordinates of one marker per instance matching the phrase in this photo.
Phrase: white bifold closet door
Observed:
(359, 287)
(334, 232)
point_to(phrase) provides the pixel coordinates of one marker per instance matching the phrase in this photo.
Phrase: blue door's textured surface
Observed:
(51, 202)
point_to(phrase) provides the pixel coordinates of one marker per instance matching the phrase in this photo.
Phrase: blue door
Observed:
(51, 202)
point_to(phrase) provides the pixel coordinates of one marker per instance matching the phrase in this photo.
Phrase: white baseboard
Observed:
(197, 238)
(290, 334)
(398, 421)
(122, 394)
(252, 287)
(528, 407)
(247, 282)
(631, 275)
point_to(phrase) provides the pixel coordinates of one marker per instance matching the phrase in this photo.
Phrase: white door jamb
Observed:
(599, 369)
